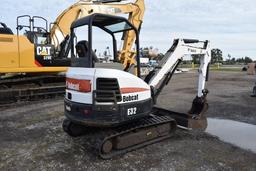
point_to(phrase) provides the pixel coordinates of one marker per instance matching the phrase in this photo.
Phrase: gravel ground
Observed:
(229, 95)
(32, 137)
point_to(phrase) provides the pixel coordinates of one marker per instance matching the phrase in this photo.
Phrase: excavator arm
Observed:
(161, 76)
(61, 27)
(175, 54)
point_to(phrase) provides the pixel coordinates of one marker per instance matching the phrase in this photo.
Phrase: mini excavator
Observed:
(122, 104)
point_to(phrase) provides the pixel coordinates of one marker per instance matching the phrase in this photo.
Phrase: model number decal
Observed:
(47, 58)
(132, 111)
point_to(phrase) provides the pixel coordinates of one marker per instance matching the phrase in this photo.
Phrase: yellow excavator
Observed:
(42, 49)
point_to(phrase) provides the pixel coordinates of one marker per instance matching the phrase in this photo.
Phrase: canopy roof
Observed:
(109, 23)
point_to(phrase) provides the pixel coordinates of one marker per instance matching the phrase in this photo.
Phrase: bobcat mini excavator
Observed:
(121, 104)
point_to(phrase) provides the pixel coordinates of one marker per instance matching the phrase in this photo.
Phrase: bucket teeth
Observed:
(198, 124)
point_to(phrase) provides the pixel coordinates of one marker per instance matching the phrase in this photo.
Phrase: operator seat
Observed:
(83, 55)
(4, 29)
(82, 48)
(83, 61)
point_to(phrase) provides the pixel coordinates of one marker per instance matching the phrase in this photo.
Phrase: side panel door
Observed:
(9, 55)
(27, 55)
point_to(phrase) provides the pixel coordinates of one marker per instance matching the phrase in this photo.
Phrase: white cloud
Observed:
(50, 9)
(229, 24)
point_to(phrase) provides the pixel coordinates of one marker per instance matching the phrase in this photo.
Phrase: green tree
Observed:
(247, 60)
(196, 58)
(233, 61)
(216, 56)
(229, 57)
(240, 60)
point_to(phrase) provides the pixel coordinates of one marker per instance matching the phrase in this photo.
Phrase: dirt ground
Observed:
(229, 95)
(31, 137)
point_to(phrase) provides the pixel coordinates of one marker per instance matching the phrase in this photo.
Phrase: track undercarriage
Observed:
(28, 88)
(159, 125)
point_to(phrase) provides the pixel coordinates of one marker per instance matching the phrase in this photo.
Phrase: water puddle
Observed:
(237, 133)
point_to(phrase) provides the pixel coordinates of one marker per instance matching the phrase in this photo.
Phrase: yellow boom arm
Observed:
(61, 27)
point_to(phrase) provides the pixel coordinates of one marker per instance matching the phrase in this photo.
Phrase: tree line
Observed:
(217, 57)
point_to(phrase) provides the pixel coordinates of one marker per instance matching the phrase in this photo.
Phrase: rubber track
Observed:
(151, 121)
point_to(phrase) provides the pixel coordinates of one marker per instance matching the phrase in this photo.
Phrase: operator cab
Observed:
(82, 53)
(37, 32)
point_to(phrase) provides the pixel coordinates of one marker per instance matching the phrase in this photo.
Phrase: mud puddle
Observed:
(237, 133)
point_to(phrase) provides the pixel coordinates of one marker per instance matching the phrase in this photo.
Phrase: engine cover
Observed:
(110, 97)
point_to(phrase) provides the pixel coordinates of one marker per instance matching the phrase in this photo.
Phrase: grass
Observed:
(226, 69)
(213, 67)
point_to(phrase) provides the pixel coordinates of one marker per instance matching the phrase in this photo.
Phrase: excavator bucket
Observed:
(197, 113)
(199, 122)
(195, 119)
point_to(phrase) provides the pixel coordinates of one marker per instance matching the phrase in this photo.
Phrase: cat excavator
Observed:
(37, 57)
(118, 107)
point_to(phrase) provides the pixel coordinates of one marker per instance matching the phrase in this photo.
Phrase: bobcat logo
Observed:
(130, 98)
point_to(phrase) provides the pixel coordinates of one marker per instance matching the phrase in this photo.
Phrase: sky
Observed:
(230, 25)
